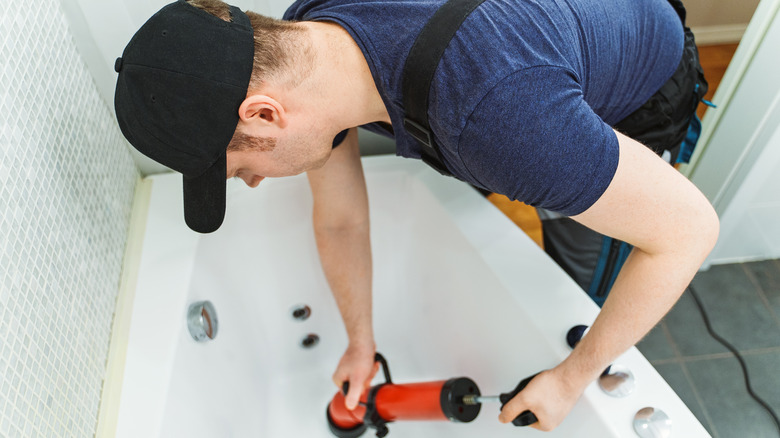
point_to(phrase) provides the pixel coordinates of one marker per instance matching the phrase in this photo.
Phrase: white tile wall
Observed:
(750, 225)
(66, 188)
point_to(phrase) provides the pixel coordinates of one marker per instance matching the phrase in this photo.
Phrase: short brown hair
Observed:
(281, 51)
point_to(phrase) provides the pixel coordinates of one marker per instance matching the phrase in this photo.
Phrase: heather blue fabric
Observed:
(525, 94)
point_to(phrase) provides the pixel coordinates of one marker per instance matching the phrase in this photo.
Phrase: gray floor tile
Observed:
(736, 309)
(655, 346)
(764, 371)
(675, 376)
(687, 329)
(721, 386)
(767, 273)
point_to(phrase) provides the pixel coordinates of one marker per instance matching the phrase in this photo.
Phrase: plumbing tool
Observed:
(381, 404)
(458, 400)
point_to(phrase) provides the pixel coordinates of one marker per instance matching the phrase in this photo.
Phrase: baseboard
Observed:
(108, 412)
(724, 34)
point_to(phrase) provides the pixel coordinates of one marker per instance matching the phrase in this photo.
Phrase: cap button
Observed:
(118, 64)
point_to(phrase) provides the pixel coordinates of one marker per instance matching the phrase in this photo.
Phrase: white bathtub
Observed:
(458, 291)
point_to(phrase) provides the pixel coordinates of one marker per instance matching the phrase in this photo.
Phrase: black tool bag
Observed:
(666, 122)
(663, 121)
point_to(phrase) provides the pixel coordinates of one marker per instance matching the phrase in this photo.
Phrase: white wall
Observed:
(719, 21)
(66, 189)
(737, 165)
(750, 225)
(102, 29)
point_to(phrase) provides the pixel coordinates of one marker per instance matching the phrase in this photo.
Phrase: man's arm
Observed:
(341, 228)
(673, 228)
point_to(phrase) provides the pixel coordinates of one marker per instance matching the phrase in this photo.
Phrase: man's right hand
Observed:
(357, 367)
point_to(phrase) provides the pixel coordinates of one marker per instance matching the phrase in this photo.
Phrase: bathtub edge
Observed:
(108, 410)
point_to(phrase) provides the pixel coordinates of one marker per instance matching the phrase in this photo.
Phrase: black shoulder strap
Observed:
(419, 68)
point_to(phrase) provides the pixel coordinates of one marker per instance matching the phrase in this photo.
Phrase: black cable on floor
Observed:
(736, 354)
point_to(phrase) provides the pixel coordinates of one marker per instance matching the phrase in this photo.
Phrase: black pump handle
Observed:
(526, 417)
(385, 369)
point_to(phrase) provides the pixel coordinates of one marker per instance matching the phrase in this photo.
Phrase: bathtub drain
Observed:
(301, 312)
(310, 341)
(202, 321)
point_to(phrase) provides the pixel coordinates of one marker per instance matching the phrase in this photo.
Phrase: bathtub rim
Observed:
(470, 209)
(111, 391)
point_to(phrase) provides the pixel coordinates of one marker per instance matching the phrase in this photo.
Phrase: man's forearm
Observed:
(673, 228)
(345, 253)
(341, 227)
(647, 287)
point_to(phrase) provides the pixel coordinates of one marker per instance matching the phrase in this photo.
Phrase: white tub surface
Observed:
(459, 290)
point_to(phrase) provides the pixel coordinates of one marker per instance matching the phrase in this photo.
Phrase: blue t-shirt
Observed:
(523, 100)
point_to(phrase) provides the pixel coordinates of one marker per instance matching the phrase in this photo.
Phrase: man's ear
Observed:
(262, 109)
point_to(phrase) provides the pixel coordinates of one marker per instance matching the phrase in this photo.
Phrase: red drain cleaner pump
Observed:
(381, 404)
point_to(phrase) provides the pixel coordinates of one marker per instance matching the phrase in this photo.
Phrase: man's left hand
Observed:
(548, 395)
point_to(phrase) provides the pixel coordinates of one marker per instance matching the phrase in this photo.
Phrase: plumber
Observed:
(543, 101)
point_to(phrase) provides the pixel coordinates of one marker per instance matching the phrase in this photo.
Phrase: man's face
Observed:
(292, 155)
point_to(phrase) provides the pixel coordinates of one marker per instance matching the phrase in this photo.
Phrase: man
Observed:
(522, 104)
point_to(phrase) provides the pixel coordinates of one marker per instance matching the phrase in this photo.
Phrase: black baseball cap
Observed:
(182, 78)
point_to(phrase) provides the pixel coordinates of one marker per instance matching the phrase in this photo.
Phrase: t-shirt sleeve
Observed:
(534, 138)
(339, 138)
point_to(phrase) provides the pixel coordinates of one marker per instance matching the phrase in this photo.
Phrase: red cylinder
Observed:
(429, 401)
(414, 401)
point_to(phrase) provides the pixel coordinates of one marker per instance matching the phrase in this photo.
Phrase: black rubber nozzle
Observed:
(354, 432)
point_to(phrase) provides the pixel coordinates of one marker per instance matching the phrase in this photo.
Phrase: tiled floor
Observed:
(743, 304)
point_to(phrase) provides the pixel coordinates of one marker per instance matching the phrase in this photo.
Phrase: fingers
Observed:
(358, 382)
(353, 396)
(339, 377)
(548, 395)
(517, 406)
(357, 367)
(520, 407)
(513, 408)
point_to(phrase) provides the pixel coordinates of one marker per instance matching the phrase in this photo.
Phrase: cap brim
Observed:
(204, 197)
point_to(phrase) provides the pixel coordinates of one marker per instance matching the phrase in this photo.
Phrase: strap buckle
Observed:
(419, 132)
(430, 154)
